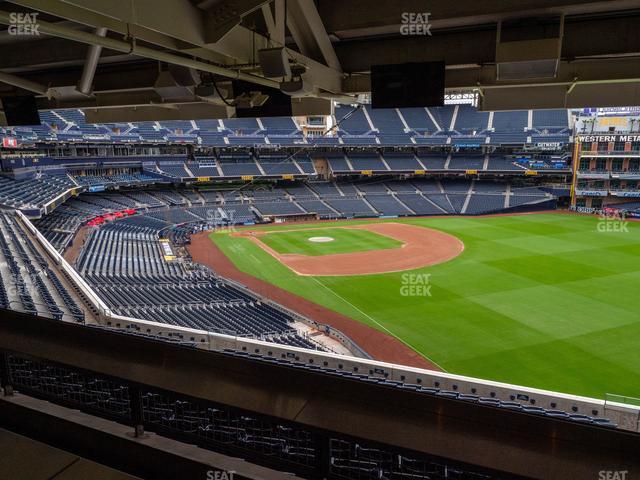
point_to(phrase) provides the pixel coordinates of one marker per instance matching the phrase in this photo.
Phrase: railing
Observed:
(59, 260)
(265, 440)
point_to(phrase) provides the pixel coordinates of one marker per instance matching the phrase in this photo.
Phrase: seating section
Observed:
(318, 207)
(351, 207)
(550, 121)
(365, 126)
(338, 163)
(214, 426)
(367, 162)
(484, 204)
(355, 124)
(33, 193)
(442, 117)
(388, 205)
(470, 121)
(433, 161)
(386, 120)
(204, 168)
(278, 208)
(420, 205)
(176, 170)
(466, 162)
(126, 266)
(418, 120)
(36, 194)
(239, 167)
(371, 198)
(402, 162)
(27, 283)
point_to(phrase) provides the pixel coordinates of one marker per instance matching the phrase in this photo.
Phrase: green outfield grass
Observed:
(542, 300)
(345, 240)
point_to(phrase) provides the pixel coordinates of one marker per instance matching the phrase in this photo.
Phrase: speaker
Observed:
(274, 62)
(407, 85)
(20, 110)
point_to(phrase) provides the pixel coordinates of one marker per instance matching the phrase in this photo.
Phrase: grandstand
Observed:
(219, 258)
(365, 127)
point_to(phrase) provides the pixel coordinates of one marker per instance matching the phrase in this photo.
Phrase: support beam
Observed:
(179, 19)
(612, 82)
(236, 47)
(28, 85)
(85, 84)
(353, 18)
(142, 51)
(275, 21)
(93, 18)
(582, 38)
(309, 33)
(225, 15)
(144, 113)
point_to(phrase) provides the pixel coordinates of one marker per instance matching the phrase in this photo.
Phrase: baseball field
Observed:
(543, 300)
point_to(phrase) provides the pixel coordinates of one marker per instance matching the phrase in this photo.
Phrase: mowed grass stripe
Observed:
(508, 308)
(345, 240)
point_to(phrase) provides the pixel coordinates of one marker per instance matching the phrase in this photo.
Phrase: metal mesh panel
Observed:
(69, 386)
(216, 425)
(356, 461)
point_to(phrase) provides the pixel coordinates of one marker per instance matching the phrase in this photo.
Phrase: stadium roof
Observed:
(334, 41)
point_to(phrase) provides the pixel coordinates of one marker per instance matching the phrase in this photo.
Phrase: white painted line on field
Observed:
(375, 321)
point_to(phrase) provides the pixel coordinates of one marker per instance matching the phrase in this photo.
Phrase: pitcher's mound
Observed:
(321, 239)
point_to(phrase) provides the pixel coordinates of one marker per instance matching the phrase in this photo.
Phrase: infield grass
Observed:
(543, 300)
(345, 240)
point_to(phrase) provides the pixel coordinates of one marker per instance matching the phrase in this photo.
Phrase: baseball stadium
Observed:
(319, 239)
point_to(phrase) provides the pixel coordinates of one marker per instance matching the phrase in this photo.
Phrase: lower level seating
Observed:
(130, 271)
